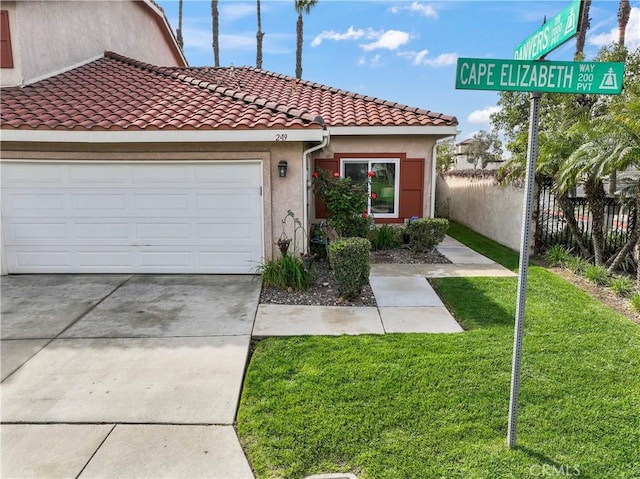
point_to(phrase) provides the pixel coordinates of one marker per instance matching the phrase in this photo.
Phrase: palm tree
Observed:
(259, 36)
(215, 32)
(624, 11)
(302, 6)
(583, 26)
(179, 32)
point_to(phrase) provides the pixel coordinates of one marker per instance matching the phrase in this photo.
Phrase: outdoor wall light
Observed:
(282, 168)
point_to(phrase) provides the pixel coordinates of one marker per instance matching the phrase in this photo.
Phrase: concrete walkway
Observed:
(406, 301)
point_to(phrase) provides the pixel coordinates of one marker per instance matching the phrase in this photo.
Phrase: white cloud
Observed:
(390, 40)
(419, 8)
(230, 12)
(422, 9)
(442, 60)
(370, 62)
(632, 37)
(420, 58)
(482, 116)
(350, 34)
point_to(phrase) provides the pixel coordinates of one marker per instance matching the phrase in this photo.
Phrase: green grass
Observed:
(430, 406)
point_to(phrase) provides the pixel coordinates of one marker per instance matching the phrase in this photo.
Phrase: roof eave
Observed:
(437, 130)
(162, 136)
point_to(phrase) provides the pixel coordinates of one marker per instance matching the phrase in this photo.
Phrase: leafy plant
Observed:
(597, 274)
(350, 263)
(576, 264)
(635, 301)
(346, 203)
(384, 237)
(622, 286)
(426, 233)
(285, 272)
(557, 256)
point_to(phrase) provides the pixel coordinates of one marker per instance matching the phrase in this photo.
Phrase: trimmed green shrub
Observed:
(622, 286)
(635, 301)
(557, 256)
(384, 237)
(426, 233)
(350, 264)
(576, 264)
(285, 272)
(597, 274)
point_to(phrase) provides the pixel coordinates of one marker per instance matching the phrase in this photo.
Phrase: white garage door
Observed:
(132, 217)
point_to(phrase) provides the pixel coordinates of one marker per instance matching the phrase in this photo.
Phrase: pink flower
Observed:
(336, 174)
(371, 174)
(315, 174)
(374, 196)
(364, 215)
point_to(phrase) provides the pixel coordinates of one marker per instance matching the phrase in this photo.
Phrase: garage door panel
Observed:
(27, 203)
(82, 222)
(99, 231)
(99, 202)
(160, 174)
(25, 177)
(98, 174)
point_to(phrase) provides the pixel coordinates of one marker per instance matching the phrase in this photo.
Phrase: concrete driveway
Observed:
(124, 376)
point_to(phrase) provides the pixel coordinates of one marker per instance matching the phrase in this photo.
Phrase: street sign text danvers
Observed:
(551, 35)
(552, 77)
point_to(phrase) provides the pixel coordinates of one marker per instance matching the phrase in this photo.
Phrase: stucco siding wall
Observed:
(483, 206)
(50, 36)
(413, 146)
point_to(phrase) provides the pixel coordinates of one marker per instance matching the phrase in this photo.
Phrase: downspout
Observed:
(434, 179)
(306, 182)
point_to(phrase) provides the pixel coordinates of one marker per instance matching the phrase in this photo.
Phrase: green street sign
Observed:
(551, 35)
(552, 77)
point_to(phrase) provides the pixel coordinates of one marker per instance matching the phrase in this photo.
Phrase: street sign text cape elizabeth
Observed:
(552, 77)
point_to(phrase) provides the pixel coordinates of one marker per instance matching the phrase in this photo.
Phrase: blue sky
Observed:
(402, 51)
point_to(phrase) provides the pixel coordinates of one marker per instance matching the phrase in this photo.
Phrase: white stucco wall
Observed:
(482, 205)
(52, 36)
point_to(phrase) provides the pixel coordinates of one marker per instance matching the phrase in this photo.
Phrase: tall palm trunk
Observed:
(596, 197)
(299, 39)
(583, 26)
(215, 32)
(179, 32)
(259, 36)
(569, 214)
(624, 11)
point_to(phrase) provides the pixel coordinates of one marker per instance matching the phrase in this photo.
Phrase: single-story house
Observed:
(118, 165)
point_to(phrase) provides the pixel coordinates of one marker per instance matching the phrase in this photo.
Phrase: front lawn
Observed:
(425, 405)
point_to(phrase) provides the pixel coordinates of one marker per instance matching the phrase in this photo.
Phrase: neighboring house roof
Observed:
(116, 93)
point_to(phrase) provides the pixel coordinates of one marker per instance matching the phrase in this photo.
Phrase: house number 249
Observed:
(281, 137)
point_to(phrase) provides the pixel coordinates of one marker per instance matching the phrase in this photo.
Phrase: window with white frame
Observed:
(383, 186)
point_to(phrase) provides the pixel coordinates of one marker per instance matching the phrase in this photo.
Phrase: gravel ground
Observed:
(323, 291)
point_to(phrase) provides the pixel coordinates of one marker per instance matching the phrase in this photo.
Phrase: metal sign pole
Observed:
(532, 156)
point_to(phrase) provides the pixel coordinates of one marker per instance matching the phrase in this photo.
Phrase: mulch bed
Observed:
(324, 292)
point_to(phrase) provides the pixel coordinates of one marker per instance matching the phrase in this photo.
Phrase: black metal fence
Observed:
(552, 228)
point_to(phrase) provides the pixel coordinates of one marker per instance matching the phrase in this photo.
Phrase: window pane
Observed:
(356, 171)
(383, 187)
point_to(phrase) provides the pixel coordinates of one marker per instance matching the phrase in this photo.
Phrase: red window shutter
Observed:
(411, 187)
(331, 164)
(6, 54)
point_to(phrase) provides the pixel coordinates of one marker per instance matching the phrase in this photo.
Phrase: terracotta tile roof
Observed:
(337, 107)
(118, 93)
